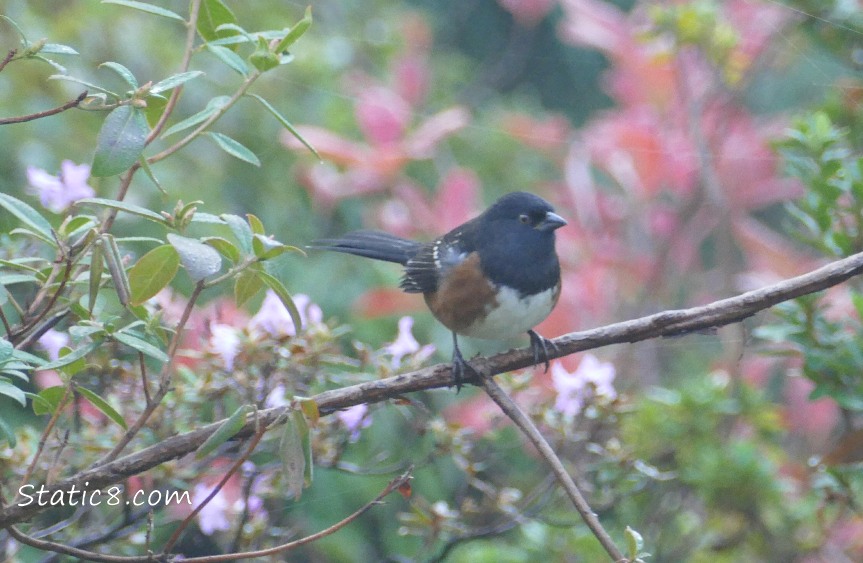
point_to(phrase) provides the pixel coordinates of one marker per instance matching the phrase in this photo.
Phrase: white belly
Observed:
(513, 315)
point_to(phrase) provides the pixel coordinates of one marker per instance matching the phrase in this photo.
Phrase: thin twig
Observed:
(393, 485)
(514, 413)
(164, 380)
(9, 56)
(259, 433)
(43, 439)
(47, 113)
(666, 323)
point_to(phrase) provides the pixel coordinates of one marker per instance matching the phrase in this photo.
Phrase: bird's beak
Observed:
(551, 222)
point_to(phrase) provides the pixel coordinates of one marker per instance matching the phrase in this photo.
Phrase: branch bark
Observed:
(666, 323)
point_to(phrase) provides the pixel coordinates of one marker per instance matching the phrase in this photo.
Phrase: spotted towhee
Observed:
(494, 277)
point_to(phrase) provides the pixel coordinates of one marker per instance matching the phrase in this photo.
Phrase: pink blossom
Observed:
(213, 517)
(57, 193)
(355, 419)
(52, 342)
(527, 12)
(405, 344)
(592, 378)
(274, 319)
(225, 342)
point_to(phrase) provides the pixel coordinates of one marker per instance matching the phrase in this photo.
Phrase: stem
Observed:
(518, 416)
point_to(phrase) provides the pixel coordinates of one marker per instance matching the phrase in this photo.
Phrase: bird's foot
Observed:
(540, 345)
(461, 370)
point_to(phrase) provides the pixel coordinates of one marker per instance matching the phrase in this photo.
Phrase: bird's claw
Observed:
(540, 345)
(460, 369)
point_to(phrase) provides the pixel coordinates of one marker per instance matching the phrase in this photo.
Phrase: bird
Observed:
(494, 277)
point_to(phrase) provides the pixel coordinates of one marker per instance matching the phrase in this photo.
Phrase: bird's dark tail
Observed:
(371, 244)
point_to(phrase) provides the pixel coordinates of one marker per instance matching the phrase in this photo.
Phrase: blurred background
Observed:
(651, 126)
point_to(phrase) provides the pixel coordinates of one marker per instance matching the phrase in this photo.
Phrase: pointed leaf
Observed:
(286, 124)
(57, 49)
(9, 390)
(121, 140)
(124, 73)
(241, 231)
(213, 14)
(174, 80)
(71, 357)
(285, 297)
(7, 432)
(140, 345)
(97, 265)
(234, 148)
(26, 215)
(225, 432)
(123, 206)
(230, 58)
(225, 247)
(149, 8)
(200, 260)
(102, 405)
(152, 273)
(295, 436)
(213, 106)
(50, 400)
(247, 285)
(296, 31)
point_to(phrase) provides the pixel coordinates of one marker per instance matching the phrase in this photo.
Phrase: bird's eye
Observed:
(524, 218)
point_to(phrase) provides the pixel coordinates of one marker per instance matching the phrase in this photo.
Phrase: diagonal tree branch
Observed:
(666, 323)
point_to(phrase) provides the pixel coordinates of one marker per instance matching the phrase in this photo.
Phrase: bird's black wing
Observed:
(377, 245)
(433, 260)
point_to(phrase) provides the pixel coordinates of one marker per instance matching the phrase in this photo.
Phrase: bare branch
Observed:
(666, 323)
(47, 113)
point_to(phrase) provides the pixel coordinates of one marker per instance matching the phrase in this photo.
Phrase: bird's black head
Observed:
(517, 234)
(528, 210)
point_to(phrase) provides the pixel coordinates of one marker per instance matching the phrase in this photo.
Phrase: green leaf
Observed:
(57, 49)
(6, 430)
(634, 543)
(50, 400)
(97, 265)
(121, 140)
(27, 215)
(284, 297)
(7, 351)
(295, 32)
(9, 390)
(234, 148)
(241, 231)
(116, 268)
(175, 80)
(124, 73)
(296, 454)
(246, 286)
(140, 345)
(286, 124)
(123, 206)
(90, 86)
(225, 432)
(256, 224)
(213, 106)
(214, 13)
(225, 247)
(230, 58)
(200, 260)
(102, 405)
(69, 358)
(152, 273)
(149, 8)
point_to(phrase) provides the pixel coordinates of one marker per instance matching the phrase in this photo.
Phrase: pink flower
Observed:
(52, 341)
(225, 342)
(527, 12)
(274, 319)
(405, 344)
(592, 379)
(214, 516)
(355, 419)
(57, 193)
